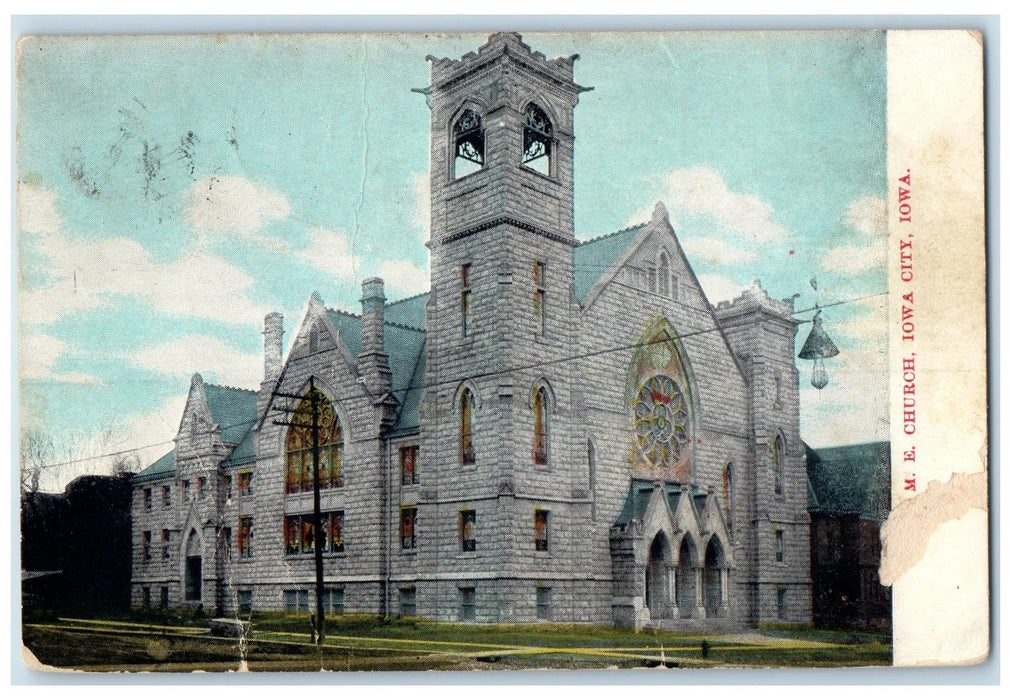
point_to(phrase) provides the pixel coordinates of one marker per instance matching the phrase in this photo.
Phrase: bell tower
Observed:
(496, 419)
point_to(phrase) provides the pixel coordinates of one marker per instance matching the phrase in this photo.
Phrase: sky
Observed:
(173, 190)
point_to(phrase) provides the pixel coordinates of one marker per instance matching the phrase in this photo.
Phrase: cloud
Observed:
(421, 186)
(720, 288)
(156, 428)
(38, 355)
(870, 250)
(853, 408)
(404, 276)
(228, 204)
(716, 251)
(854, 259)
(867, 323)
(37, 211)
(701, 191)
(91, 274)
(329, 251)
(868, 216)
(216, 360)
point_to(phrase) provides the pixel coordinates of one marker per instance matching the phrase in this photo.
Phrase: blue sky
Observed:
(171, 191)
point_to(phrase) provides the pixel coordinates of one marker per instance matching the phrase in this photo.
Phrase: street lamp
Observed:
(817, 347)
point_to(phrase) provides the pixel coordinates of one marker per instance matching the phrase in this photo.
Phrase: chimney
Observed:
(273, 332)
(373, 363)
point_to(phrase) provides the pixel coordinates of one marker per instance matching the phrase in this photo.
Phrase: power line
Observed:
(483, 375)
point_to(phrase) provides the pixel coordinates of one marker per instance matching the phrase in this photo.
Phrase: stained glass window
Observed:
(468, 525)
(541, 530)
(540, 446)
(147, 499)
(660, 421)
(244, 536)
(409, 464)
(145, 543)
(298, 471)
(467, 454)
(468, 144)
(246, 482)
(299, 536)
(408, 517)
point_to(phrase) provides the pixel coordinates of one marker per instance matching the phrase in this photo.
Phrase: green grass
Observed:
(280, 642)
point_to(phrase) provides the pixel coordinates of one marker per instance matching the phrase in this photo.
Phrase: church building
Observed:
(559, 429)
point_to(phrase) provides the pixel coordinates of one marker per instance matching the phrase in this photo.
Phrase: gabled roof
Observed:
(851, 480)
(404, 343)
(592, 259)
(639, 491)
(234, 410)
(163, 466)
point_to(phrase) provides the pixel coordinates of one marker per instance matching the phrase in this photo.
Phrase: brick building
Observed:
(558, 430)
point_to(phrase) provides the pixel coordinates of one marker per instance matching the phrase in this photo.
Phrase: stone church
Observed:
(559, 430)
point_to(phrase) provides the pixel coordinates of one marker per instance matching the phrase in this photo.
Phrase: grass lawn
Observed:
(280, 642)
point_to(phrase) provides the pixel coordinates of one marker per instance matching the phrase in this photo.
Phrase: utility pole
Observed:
(317, 526)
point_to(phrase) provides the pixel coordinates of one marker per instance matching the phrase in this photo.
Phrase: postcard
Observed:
(498, 351)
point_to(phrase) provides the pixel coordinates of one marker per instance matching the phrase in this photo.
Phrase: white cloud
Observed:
(156, 428)
(216, 360)
(868, 322)
(719, 288)
(228, 204)
(868, 216)
(329, 251)
(421, 186)
(38, 355)
(853, 407)
(37, 211)
(403, 276)
(854, 259)
(90, 274)
(716, 251)
(701, 191)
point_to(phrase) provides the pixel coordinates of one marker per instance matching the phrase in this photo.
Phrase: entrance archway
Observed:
(657, 587)
(712, 579)
(194, 567)
(687, 563)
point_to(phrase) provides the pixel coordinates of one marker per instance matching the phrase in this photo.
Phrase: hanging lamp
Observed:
(817, 347)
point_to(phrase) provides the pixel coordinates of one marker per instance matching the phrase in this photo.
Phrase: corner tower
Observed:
(496, 435)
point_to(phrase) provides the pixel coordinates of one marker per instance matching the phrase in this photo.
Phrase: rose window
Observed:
(660, 421)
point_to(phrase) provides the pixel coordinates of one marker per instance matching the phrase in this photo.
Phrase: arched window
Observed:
(538, 137)
(728, 494)
(778, 453)
(540, 406)
(468, 144)
(315, 407)
(467, 455)
(663, 274)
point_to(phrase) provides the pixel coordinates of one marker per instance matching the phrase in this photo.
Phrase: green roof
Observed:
(591, 259)
(851, 480)
(234, 410)
(639, 491)
(163, 466)
(404, 343)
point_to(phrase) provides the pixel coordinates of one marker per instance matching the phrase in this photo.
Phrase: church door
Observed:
(194, 567)
(656, 579)
(711, 581)
(686, 579)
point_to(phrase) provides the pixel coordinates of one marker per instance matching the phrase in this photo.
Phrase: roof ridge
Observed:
(342, 311)
(613, 233)
(415, 296)
(233, 388)
(404, 326)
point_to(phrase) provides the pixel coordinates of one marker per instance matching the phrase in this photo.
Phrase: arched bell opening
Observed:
(658, 572)
(714, 580)
(687, 579)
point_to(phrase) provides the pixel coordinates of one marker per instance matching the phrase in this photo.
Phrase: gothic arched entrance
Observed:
(686, 583)
(194, 567)
(657, 586)
(712, 579)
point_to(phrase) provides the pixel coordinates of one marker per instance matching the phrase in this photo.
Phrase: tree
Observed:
(37, 451)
